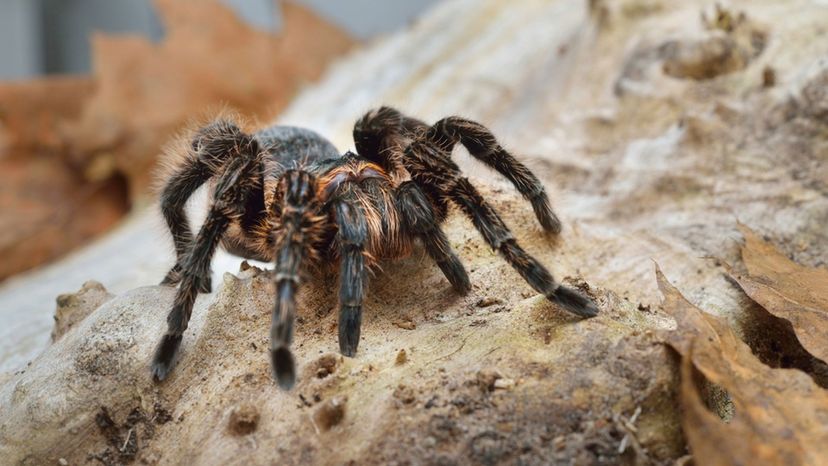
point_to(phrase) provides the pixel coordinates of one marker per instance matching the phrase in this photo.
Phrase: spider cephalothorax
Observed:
(286, 195)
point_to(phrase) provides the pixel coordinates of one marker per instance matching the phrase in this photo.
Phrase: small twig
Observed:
(630, 424)
(635, 414)
(630, 431)
(490, 351)
(453, 352)
(126, 442)
(313, 423)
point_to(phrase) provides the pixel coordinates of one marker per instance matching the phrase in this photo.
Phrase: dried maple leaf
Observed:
(787, 290)
(70, 148)
(781, 415)
(46, 209)
(209, 59)
(32, 112)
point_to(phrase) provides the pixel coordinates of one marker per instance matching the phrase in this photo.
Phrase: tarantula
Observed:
(286, 195)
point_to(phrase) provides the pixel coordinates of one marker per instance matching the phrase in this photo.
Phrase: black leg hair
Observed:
(237, 181)
(352, 235)
(482, 145)
(495, 232)
(429, 163)
(195, 268)
(418, 217)
(381, 132)
(210, 147)
(178, 190)
(300, 225)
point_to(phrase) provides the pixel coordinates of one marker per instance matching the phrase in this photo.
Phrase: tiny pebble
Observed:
(405, 324)
(504, 384)
(559, 443)
(487, 378)
(489, 301)
(402, 357)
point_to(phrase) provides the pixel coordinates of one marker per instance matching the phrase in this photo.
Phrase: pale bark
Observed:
(642, 165)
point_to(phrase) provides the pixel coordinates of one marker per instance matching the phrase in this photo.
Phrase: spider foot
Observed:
(574, 302)
(165, 355)
(548, 220)
(350, 321)
(284, 367)
(456, 274)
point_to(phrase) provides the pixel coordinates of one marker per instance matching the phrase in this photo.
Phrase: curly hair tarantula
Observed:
(286, 195)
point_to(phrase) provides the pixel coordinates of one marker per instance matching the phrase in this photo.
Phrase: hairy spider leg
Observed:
(497, 234)
(352, 236)
(381, 129)
(482, 145)
(430, 165)
(380, 136)
(419, 218)
(300, 226)
(426, 155)
(209, 149)
(233, 187)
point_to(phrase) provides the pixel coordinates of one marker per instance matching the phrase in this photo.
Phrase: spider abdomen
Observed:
(282, 148)
(290, 144)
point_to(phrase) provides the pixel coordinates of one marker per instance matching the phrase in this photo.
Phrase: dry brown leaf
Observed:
(40, 196)
(32, 112)
(781, 415)
(46, 210)
(72, 147)
(209, 59)
(787, 290)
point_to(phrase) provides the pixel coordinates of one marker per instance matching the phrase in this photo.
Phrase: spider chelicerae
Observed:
(286, 195)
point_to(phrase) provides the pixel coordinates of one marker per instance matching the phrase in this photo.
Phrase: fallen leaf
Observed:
(33, 112)
(45, 210)
(780, 415)
(209, 59)
(77, 152)
(787, 290)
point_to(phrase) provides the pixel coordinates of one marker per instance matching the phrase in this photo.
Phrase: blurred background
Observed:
(53, 36)
(654, 124)
(665, 132)
(92, 89)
